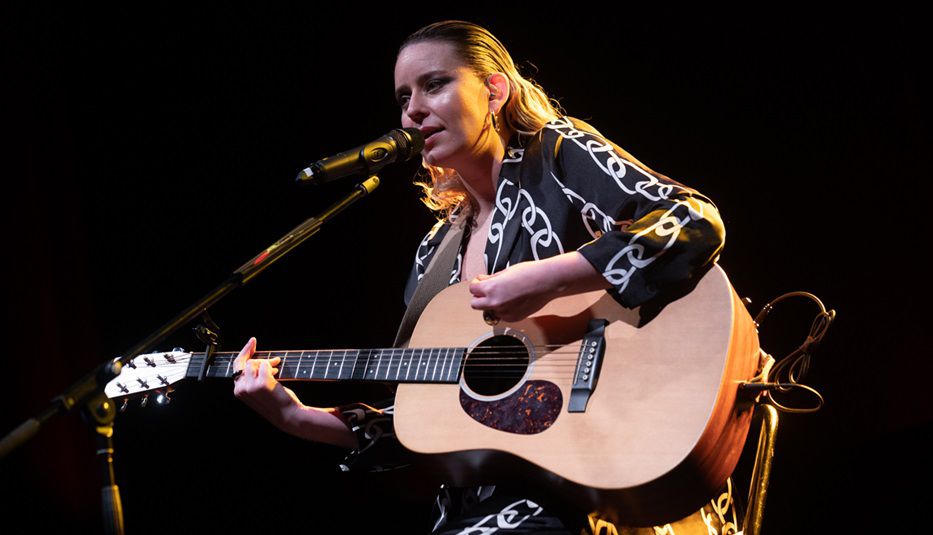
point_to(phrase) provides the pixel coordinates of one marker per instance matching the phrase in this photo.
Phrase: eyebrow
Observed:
(421, 79)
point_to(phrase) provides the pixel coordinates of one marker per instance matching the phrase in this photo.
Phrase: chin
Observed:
(435, 159)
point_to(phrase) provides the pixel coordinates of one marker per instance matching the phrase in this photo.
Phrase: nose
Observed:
(416, 110)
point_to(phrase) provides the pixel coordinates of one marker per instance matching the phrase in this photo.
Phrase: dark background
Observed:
(153, 153)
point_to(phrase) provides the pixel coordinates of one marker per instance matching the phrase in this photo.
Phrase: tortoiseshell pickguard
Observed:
(530, 409)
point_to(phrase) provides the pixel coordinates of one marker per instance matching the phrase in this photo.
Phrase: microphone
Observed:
(399, 144)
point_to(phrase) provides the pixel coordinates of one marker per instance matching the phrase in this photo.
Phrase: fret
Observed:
(419, 368)
(378, 363)
(389, 365)
(450, 369)
(300, 367)
(356, 373)
(396, 362)
(301, 355)
(342, 361)
(452, 374)
(370, 372)
(387, 360)
(313, 365)
(228, 372)
(333, 362)
(445, 367)
(441, 378)
(408, 364)
(382, 364)
(353, 375)
(386, 364)
(430, 366)
(434, 369)
(427, 364)
(284, 367)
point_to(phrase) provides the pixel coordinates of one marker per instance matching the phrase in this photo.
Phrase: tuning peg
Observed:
(123, 405)
(144, 401)
(179, 350)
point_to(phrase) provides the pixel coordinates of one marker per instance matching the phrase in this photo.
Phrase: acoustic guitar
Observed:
(640, 423)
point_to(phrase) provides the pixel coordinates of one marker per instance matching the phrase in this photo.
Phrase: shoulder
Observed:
(555, 133)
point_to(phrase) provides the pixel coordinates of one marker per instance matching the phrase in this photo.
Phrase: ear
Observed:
(499, 91)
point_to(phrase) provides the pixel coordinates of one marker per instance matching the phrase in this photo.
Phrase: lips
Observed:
(430, 131)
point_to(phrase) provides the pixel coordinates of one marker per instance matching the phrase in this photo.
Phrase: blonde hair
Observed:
(526, 111)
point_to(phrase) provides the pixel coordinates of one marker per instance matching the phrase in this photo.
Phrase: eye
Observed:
(403, 101)
(435, 83)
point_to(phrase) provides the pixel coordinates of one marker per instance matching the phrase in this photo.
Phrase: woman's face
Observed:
(444, 99)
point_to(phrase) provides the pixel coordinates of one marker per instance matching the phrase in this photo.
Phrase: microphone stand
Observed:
(88, 393)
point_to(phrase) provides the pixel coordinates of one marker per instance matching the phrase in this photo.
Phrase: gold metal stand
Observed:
(761, 473)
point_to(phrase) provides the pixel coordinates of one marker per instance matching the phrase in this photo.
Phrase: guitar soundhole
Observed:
(496, 365)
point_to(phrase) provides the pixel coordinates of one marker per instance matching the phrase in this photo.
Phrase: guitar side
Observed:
(660, 433)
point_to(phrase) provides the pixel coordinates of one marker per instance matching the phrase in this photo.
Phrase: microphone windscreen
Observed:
(414, 142)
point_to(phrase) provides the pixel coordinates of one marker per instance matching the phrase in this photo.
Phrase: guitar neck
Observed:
(409, 365)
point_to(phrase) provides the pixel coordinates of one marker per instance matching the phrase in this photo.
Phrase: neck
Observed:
(480, 176)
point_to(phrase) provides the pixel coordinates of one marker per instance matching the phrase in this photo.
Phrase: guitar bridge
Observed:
(589, 362)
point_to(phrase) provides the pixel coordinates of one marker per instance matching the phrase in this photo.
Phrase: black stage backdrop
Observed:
(154, 152)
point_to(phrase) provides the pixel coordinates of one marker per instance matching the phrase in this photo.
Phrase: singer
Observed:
(547, 207)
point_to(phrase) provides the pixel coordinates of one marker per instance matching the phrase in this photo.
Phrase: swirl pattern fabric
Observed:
(568, 188)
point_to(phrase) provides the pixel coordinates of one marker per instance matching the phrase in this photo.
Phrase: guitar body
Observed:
(661, 431)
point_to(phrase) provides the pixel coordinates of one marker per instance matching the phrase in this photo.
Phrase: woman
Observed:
(547, 208)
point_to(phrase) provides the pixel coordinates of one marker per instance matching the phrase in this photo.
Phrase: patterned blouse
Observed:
(566, 188)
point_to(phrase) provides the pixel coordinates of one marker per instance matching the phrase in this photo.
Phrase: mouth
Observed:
(429, 132)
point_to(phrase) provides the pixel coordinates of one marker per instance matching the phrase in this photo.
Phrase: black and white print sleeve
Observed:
(649, 232)
(372, 425)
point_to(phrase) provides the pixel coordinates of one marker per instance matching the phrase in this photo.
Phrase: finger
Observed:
(477, 288)
(479, 303)
(240, 361)
(266, 369)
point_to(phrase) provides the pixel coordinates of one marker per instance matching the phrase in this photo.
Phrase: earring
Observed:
(495, 122)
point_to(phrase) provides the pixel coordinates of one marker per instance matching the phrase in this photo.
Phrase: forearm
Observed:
(318, 425)
(569, 274)
(522, 289)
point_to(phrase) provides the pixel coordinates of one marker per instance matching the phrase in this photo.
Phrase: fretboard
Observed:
(413, 365)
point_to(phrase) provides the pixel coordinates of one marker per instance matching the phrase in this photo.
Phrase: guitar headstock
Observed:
(149, 373)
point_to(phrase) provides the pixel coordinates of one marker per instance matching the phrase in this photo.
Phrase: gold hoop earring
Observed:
(495, 122)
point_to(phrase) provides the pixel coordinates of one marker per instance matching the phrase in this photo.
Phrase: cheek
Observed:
(406, 122)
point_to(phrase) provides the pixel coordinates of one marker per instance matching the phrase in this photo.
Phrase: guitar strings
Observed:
(516, 365)
(390, 352)
(482, 358)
